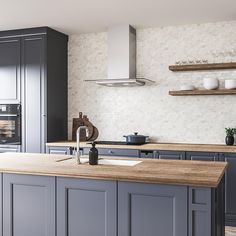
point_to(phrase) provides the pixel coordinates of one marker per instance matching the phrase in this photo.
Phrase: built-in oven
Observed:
(10, 124)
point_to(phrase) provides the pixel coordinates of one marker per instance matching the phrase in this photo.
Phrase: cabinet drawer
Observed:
(59, 150)
(172, 155)
(202, 156)
(114, 152)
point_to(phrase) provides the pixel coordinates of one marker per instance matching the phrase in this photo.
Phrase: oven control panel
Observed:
(10, 109)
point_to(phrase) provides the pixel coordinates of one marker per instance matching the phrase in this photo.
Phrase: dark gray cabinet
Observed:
(151, 209)
(202, 156)
(33, 72)
(28, 205)
(9, 148)
(172, 155)
(60, 150)
(86, 207)
(206, 211)
(33, 80)
(10, 70)
(57, 206)
(230, 188)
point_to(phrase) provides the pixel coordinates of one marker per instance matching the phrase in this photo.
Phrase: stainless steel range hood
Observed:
(122, 59)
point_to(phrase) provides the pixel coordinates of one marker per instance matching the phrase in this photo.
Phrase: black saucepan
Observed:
(135, 139)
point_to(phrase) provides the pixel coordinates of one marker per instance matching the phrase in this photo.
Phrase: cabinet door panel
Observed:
(230, 190)
(10, 70)
(202, 156)
(29, 205)
(151, 209)
(33, 85)
(86, 207)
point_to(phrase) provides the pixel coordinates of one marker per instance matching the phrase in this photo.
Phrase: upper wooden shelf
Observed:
(203, 92)
(213, 66)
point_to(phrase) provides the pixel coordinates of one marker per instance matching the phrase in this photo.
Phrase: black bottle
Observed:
(93, 155)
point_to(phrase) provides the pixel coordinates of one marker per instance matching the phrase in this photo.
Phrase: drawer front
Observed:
(172, 155)
(202, 156)
(59, 150)
(114, 152)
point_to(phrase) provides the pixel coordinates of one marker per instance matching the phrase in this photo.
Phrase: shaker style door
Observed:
(28, 205)
(86, 207)
(33, 83)
(9, 70)
(152, 209)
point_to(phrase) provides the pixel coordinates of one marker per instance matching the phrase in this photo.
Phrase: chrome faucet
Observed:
(77, 154)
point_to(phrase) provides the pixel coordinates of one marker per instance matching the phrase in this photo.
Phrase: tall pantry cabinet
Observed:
(35, 75)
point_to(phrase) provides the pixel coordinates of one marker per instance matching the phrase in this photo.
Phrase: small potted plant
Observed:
(229, 139)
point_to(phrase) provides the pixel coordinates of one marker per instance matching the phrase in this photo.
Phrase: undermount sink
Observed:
(118, 162)
(102, 161)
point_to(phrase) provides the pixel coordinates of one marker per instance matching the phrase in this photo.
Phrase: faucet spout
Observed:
(77, 154)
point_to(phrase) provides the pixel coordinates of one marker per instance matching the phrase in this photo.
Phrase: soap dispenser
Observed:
(93, 155)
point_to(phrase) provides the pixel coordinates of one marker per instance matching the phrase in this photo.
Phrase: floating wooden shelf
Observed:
(213, 66)
(203, 92)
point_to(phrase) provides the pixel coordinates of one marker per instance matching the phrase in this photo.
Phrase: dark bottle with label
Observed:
(93, 155)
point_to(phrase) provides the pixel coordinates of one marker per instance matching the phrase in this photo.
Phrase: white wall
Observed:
(150, 110)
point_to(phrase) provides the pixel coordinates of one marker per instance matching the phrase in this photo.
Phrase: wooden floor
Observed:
(230, 231)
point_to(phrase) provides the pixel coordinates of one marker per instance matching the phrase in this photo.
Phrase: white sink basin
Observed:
(118, 162)
(104, 162)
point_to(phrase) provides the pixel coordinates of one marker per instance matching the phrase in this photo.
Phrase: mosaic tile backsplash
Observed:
(150, 110)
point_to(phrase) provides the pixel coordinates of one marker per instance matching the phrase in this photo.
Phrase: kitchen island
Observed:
(50, 195)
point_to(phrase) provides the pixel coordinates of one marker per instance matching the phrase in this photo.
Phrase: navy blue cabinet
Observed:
(202, 156)
(28, 205)
(86, 207)
(57, 206)
(172, 155)
(151, 209)
(230, 188)
(32, 62)
(33, 83)
(10, 59)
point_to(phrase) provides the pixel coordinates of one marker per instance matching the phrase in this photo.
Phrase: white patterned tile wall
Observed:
(150, 110)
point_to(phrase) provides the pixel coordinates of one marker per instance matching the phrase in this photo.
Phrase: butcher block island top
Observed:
(154, 146)
(174, 172)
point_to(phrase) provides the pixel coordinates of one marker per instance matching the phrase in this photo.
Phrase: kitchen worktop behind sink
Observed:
(152, 146)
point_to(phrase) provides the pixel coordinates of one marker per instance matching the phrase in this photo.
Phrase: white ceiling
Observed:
(78, 16)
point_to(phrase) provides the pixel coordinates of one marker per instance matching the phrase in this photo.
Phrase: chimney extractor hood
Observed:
(122, 59)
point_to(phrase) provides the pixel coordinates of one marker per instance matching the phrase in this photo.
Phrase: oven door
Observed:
(10, 130)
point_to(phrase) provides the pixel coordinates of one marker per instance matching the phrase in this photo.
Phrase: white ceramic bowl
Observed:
(210, 83)
(230, 84)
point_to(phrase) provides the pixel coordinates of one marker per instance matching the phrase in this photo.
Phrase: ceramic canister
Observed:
(230, 84)
(210, 83)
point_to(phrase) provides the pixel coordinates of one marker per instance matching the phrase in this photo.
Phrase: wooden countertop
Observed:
(156, 146)
(174, 172)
